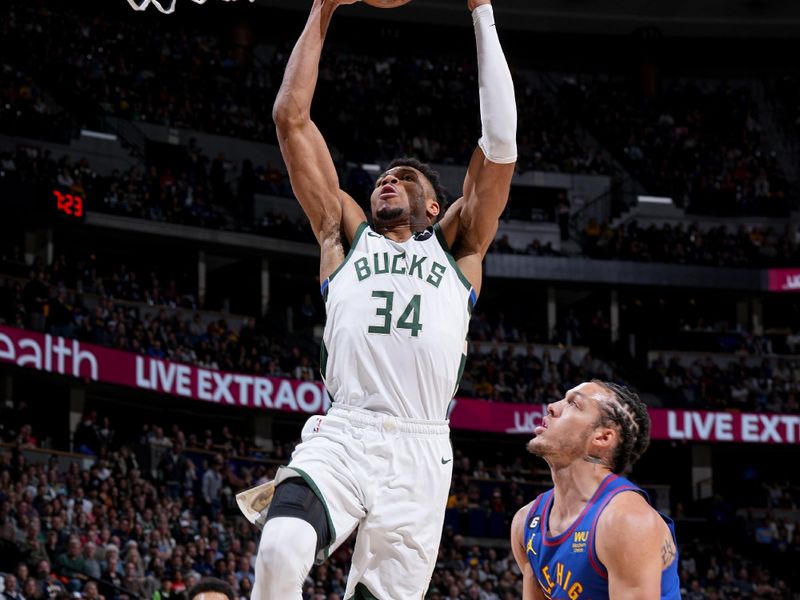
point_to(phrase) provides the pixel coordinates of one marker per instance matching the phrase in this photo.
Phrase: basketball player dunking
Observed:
(594, 535)
(398, 306)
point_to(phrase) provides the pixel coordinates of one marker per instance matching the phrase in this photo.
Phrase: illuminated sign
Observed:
(69, 205)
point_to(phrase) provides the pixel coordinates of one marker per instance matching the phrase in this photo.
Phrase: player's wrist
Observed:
(337, 3)
(475, 4)
(482, 11)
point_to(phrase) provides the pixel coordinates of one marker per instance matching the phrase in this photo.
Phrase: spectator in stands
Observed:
(90, 591)
(32, 547)
(33, 590)
(25, 438)
(85, 438)
(91, 566)
(212, 486)
(11, 591)
(71, 564)
(173, 468)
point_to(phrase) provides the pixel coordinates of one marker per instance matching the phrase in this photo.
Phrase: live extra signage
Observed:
(72, 358)
(784, 280)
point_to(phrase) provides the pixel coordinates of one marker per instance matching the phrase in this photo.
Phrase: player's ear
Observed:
(432, 207)
(605, 437)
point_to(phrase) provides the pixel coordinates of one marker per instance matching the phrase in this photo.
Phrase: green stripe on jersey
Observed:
(323, 358)
(443, 243)
(460, 372)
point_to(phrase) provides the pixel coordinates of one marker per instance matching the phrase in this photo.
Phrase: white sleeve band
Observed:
(498, 106)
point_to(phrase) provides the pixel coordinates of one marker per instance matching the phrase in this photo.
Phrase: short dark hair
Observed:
(211, 584)
(629, 414)
(431, 175)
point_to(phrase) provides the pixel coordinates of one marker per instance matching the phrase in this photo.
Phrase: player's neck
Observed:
(402, 229)
(397, 232)
(395, 235)
(575, 484)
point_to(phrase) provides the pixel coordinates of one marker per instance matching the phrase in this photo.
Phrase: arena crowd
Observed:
(154, 512)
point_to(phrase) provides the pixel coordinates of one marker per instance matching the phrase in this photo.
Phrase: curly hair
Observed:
(212, 584)
(431, 175)
(629, 414)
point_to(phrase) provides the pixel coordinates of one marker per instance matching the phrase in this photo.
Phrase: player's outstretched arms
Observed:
(308, 160)
(472, 226)
(635, 545)
(530, 588)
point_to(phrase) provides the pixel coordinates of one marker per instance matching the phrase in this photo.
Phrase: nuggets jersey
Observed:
(395, 337)
(566, 566)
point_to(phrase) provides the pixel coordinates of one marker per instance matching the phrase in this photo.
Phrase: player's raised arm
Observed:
(473, 225)
(308, 160)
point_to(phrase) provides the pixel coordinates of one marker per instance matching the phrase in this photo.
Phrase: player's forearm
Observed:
(293, 103)
(498, 104)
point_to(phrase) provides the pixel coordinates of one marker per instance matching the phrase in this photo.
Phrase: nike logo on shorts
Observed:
(444, 462)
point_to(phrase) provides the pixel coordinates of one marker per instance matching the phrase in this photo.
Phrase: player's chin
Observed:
(387, 214)
(535, 446)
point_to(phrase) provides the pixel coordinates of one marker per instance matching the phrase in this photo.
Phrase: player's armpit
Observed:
(530, 588)
(630, 544)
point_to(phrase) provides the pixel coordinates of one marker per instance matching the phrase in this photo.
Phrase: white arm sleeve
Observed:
(498, 106)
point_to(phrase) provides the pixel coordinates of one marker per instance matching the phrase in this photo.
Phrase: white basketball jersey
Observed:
(395, 339)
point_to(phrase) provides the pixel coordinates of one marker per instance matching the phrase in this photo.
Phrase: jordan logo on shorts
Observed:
(318, 425)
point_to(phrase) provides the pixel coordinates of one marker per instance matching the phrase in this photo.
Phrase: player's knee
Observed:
(285, 556)
(276, 541)
(286, 552)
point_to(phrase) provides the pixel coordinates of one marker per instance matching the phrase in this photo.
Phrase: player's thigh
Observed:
(326, 460)
(398, 542)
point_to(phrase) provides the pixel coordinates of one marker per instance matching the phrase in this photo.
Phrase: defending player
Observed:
(594, 535)
(398, 307)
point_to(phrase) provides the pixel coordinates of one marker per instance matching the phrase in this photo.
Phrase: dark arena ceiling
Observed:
(713, 18)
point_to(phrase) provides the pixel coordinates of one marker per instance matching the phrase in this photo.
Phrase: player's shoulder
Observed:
(631, 534)
(522, 513)
(629, 512)
(518, 522)
(518, 532)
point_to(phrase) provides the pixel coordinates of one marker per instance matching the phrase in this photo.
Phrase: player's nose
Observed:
(389, 180)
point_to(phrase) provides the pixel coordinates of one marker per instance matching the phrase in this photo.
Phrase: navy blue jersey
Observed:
(566, 566)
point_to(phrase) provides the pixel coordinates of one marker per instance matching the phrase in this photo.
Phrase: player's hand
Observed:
(473, 4)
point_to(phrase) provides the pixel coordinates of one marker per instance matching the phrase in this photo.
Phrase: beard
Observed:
(561, 447)
(387, 215)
